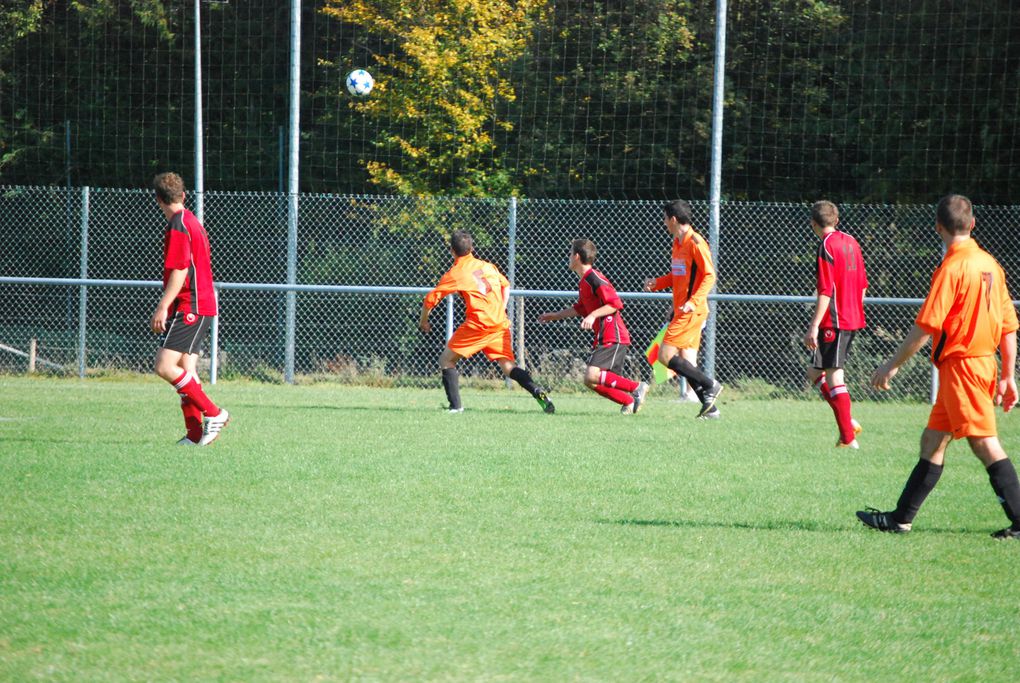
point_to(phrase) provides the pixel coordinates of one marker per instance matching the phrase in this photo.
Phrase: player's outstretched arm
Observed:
(557, 315)
(913, 342)
(423, 319)
(1005, 392)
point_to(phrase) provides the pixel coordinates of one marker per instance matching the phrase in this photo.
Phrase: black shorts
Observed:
(610, 358)
(833, 348)
(185, 331)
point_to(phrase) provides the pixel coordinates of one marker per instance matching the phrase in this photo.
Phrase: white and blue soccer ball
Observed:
(360, 83)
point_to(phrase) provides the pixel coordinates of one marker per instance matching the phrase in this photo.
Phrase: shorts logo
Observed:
(829, 335)
(190, 318)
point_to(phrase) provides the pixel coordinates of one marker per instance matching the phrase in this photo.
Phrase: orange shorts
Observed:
(467, 341)
(684, 331)
(965, 405)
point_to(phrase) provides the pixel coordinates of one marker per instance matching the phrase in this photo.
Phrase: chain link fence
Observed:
(380, 254)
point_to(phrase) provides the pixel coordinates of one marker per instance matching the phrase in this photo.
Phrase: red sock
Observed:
(823, 388)
(187, 385)
(614, 381)
(192, 419)
(840, 402)
(615, 395)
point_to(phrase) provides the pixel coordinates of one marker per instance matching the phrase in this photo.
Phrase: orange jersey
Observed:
(692, 274)
(481, 285)
(968, 308)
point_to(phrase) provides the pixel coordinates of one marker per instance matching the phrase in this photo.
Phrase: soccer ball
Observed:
(359, 83)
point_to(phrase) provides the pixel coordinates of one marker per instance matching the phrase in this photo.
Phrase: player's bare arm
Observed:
(913, 343)
(821, 305)
(1005, 392)
(589, 320)
(173, 287)
(557, 315)
(423, 320)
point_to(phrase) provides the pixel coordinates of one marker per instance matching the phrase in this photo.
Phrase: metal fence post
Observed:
(214, 341)
(293, 186)
(511, 274)
(715, 191)
(83, 273)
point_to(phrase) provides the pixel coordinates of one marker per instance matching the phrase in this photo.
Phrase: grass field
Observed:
(338, 533)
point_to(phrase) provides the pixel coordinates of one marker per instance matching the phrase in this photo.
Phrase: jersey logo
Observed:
(483, 285)
(679, 267)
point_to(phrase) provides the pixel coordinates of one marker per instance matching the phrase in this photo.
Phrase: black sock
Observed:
(1004, 481)
(919, 484)
(523, 377)
(451, 382)
(697, 378)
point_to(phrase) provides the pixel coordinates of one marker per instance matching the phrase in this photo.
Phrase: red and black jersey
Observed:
(840, 275)
(186, 247)
(595, 291)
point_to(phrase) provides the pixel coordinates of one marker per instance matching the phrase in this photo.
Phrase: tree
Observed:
(440, 71)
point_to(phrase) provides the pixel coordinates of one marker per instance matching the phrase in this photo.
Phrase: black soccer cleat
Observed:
(1006, 534)
(546, 403)
(709, 397)
(882, 521)
(712, 414)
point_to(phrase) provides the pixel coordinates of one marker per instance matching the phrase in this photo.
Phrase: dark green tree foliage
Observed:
(860, 101)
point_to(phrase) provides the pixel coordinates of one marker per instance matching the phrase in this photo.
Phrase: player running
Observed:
(691, 277)
(840, 285)
(969, 313)
(599, 306)
(485, 328)
(185, 312)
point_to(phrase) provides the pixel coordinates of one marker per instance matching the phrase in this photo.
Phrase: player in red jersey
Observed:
(185, 311)
(840, 284)
(691, 277)
(599, 306)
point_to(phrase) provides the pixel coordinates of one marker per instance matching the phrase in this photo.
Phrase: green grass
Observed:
(339, 533)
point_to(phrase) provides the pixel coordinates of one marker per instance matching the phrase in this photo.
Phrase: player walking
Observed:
(185, 311)
(691, 277)
(840, 284)
(599, 306)
(486, 328)
(969, 313)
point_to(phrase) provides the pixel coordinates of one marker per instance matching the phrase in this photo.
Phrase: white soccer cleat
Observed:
(857, 426)
(629, 408)
(186, 442)
(211, 427)
(853, 444)
(639, 395)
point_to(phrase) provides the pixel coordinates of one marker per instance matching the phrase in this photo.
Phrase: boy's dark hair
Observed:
(169, 188)
(585, 249)
(955, 213)
(824, 213)
(461, 242)
(680, 210)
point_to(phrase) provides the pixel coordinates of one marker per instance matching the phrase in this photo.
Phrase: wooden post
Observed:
(32, 344)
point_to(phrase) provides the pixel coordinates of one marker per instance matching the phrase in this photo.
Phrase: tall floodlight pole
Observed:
(715, 190)
(199, 153)
(292, 185)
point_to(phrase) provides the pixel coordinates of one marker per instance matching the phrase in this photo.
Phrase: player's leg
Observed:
(685, 332)
(181, 340)
(1003, 478)
(691, 356)
(451, 379)
(920, 483)
(604, 375)
(191, 412)
(518, 374)
(829, 357)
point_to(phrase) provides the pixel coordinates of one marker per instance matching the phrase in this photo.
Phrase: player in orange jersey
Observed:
(968, 313)
(691, 277)
(485, 328)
